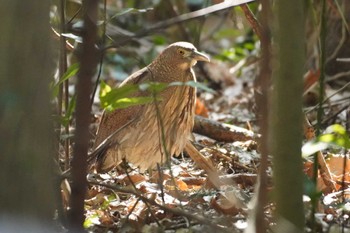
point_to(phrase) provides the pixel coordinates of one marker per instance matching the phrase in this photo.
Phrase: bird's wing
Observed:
(113, 121)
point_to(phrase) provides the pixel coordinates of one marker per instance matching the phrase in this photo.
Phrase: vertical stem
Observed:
(320, 108)
(102, 52)
(88, 63)
(322, 66)
(262, 85)
(62, 70)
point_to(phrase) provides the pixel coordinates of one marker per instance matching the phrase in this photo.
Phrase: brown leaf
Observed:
(200, 109)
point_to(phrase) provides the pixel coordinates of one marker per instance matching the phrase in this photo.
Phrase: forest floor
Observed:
(179, 197)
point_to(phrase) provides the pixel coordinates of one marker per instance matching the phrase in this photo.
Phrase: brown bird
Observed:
(137, 132)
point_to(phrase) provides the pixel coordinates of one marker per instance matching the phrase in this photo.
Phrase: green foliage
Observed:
(121, 97)
(153, 87)
(335, 135)
(71, 71)
(94, 218)
(112, 99)
(69, 113)
(243, 47)
(91, 220)
(193, 84)
(237, 53)
(159, 40)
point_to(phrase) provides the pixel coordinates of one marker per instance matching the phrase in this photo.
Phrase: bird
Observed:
(145, 134)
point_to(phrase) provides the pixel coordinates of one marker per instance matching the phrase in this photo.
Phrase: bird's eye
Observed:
(180, 51)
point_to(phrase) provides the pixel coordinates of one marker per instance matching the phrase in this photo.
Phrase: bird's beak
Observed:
(200, 56)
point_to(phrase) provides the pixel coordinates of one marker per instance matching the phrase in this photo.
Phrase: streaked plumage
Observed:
(139, 138)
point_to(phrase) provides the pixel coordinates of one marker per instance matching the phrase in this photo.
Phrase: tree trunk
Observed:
(26, 177)
(286, 114)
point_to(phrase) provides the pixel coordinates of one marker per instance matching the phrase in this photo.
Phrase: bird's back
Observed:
(148, 134)
(141, 142)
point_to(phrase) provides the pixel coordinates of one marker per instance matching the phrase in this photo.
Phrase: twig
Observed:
(326, 99)
(134, 186)
(175, 211)
(160, 183)
(335, 114)
(256, 219)
(180, 25)
(102, 54)
(343, 59)
(339, 46)
(252, 20)
(219, 154)
(57, 35)
(209, 35)
(181, 18)
(338, 75)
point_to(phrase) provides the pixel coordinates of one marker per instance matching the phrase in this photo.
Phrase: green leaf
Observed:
(335, 135)
(109, 96)
(336, 128)
(69, 113)
(104, 89)
(193, 84)
(159, 40)
(128, 102)
(153, 87)
(91, 221)
(71, 71)
(121, 97)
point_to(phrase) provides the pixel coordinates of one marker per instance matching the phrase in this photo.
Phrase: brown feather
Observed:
(140, 141)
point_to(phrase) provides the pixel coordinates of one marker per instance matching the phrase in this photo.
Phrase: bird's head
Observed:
(182, 55)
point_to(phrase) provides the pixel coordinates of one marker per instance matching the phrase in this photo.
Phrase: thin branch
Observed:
(338, 75)
(179, 19)
(252, 20)
(136, 190)
(102, 54)
(339, 46)
(320, 105)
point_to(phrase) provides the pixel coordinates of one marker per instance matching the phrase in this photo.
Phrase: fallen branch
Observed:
(221, 131)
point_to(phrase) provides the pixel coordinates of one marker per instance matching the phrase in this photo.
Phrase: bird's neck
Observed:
(170, 73)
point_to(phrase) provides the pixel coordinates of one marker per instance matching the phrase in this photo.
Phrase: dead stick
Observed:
(203, 163)
(220, 131)
(252, 20)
